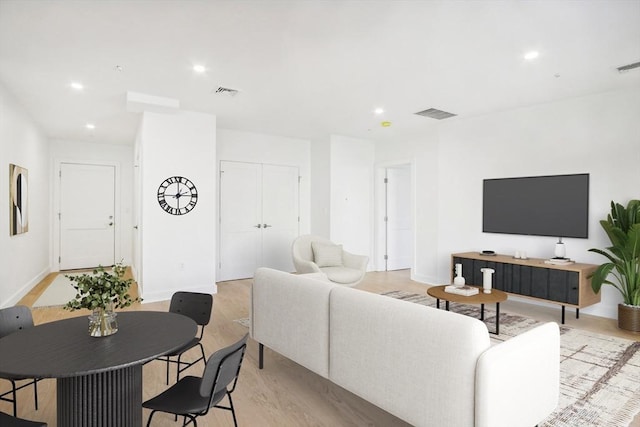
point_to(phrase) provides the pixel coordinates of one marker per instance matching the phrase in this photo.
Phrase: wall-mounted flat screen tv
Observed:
(555, 205)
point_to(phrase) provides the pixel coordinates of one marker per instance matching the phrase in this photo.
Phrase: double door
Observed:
(259, 218)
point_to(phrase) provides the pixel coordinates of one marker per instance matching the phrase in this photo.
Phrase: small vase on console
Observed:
(459, 280)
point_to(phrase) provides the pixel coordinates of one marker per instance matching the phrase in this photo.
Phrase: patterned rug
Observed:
(599, 374)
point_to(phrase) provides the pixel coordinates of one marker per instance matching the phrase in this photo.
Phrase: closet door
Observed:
(258, 218)
(280, 215)
(240, 216)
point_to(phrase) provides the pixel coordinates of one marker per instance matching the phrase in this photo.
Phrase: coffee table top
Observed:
(495, 296)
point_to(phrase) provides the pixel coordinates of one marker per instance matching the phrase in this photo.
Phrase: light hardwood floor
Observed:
(283, 393)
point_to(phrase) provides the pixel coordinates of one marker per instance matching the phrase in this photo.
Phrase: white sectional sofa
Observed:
(426, 366)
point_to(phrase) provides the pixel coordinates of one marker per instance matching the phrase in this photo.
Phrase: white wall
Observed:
(598, 134)
(352, 194)
(252, 147)
(178, 251)
(24, 258)
(120, 156)
(320, 187)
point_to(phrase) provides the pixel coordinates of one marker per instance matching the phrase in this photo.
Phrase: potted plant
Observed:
(101, 292)
(623, 228)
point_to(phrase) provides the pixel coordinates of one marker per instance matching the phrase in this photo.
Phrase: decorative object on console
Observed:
(559, 261)
(487, 278)
(101, 292)
(458, 280)
(560, 250)
(623, 229)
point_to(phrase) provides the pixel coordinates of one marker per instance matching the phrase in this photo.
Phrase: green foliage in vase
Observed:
(101, 290)
(623, 228)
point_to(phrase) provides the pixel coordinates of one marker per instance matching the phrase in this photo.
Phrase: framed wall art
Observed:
(18, 200)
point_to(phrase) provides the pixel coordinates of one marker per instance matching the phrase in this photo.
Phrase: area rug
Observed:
(599, 374)
(58, 293)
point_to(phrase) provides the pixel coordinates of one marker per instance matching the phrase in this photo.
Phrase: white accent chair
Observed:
(315, 254)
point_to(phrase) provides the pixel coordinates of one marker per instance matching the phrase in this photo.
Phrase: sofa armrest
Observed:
(359, 262)
(518, 381)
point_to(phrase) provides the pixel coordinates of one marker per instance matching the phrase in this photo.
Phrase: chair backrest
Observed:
(223, 368)
(301, 247)
(195, 305)
(12, 319)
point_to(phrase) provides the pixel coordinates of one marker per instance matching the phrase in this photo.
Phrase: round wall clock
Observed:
(177, 195)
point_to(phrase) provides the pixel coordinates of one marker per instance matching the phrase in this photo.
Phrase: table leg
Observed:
(437, 302)
(447, 305)
(481, 311)
(105, 399)
(497, 318)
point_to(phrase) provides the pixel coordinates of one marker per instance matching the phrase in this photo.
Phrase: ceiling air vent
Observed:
(628, 67)
(435, 114)
(224, 91)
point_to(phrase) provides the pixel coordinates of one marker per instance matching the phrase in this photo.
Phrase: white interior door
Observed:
(280, 215)
(399, 230)
(87, 215)
(240, 216)
(258, 218)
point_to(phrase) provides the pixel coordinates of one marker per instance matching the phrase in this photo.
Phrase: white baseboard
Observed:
(166, 294)
(20, 293)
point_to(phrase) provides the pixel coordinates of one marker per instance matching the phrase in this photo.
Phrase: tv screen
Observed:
(539, 205)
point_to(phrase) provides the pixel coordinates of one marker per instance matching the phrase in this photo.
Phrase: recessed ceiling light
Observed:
(378, 111)
(76, 85)
(90, 126)
(531, 55)
(199, 68)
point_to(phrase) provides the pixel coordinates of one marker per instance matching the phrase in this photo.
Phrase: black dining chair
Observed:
(192, 397)
(197, 306)
(7, 420)
(13, 319)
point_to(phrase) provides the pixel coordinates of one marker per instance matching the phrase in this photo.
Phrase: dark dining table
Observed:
(99, 379)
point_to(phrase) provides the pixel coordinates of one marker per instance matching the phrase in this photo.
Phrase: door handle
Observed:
(258, 226)
(266, 225)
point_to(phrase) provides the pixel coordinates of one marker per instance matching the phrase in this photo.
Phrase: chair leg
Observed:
(233, 411)
(204, 358)
(260, 356)
(35, 392)
(168, 363)
(178, 368)
(150, 416)
(15, 398)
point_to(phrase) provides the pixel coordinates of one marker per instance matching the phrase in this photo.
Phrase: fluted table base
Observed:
(112, 398)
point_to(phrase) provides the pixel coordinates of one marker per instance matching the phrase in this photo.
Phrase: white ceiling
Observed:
(308, 68)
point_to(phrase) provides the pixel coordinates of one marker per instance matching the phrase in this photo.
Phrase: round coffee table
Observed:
(496, 296)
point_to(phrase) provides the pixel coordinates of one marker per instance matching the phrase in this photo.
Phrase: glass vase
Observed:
(103, 322)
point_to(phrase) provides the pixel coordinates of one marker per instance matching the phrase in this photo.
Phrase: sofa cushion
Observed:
(343, 275)
(327, 254)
